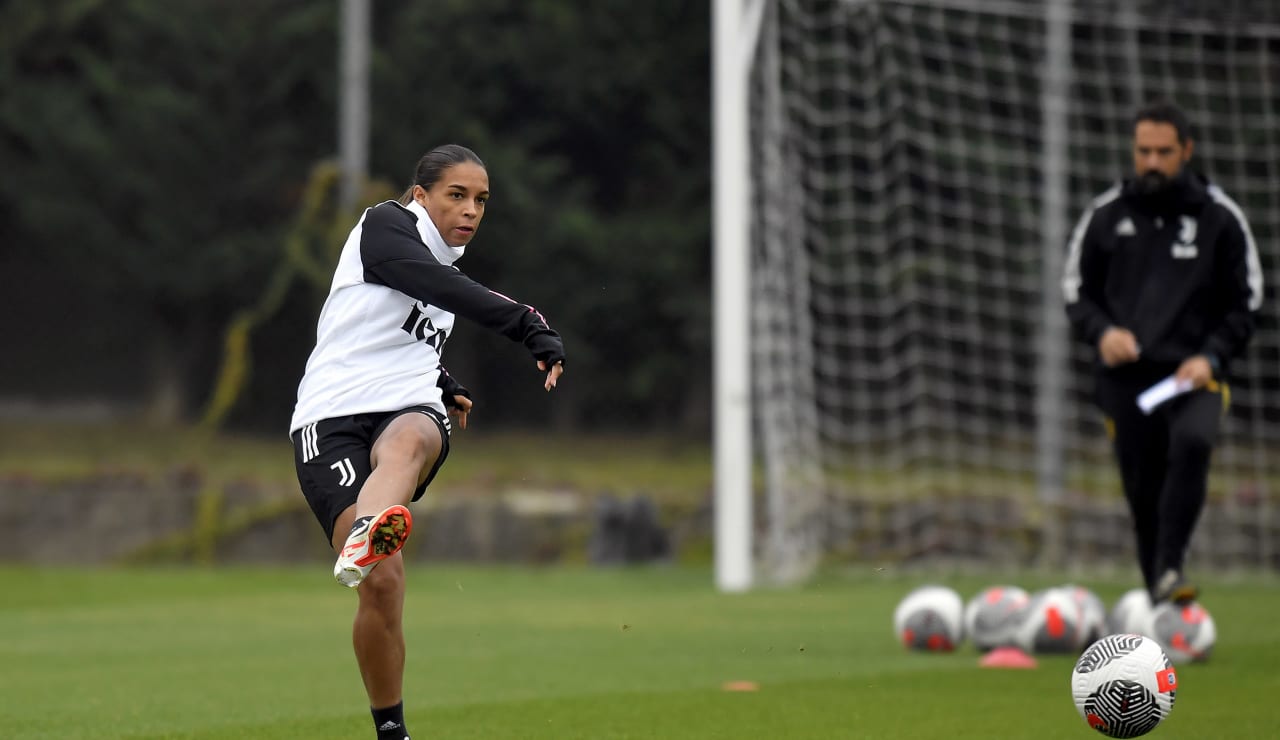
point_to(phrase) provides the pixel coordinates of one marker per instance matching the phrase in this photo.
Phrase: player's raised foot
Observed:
(1174, 588)
(372, 540)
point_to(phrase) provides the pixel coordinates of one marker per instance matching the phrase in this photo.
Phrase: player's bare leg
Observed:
(402, 457)
(377, 633)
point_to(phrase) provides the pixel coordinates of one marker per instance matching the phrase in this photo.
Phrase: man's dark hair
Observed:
(1164, 111)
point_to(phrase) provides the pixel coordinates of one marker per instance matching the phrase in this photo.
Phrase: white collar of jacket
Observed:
(446, 254)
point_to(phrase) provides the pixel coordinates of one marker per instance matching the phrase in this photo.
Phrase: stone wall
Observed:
(112, 518)
(183, 518)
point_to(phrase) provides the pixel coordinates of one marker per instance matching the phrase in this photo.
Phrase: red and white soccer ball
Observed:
(1093, 613)
(1124, 685)
(993, 614)
(1130, 613)
(930, 618)
(1053, 622)
(1186, 632)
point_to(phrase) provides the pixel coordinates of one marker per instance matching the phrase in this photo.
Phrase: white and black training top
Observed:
(390, 309)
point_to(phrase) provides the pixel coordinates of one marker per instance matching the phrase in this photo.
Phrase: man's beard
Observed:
(1153, 182)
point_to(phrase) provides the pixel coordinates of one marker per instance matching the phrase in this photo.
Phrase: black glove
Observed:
(450, 388)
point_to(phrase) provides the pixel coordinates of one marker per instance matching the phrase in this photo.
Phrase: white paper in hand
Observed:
(1157, 394)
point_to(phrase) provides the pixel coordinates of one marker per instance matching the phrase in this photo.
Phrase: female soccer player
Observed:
(371, 426)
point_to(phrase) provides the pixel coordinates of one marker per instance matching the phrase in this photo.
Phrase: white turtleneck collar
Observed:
(446, 254)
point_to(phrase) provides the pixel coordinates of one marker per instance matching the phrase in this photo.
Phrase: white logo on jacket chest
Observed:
(1185, 248)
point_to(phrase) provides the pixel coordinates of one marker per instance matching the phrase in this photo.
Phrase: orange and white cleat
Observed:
(372, 540)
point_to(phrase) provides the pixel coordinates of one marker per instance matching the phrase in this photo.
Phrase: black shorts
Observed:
(332, 459)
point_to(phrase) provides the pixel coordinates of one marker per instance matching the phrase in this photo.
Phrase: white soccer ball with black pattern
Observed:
(993, 614)
(930, 618)
(1124, 685)
(1186, 632)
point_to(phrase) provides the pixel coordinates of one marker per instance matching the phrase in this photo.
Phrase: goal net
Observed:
(916, 168)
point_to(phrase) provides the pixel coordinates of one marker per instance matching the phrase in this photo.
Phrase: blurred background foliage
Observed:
(158, 159)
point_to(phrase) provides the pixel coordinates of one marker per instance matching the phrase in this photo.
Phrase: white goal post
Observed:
(732, 359)
(894, 185)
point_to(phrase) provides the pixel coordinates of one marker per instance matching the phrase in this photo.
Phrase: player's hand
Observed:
(1197, 370)
(1118, 346)
(461, 407)
(552, 375)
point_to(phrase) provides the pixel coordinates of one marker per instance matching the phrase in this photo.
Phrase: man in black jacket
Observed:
(1163, 279)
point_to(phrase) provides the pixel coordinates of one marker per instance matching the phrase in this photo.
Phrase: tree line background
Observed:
(168, 203)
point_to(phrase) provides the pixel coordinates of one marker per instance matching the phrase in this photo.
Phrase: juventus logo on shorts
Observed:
(346, 470)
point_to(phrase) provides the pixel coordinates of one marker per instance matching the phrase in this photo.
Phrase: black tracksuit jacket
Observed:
(1179, 269)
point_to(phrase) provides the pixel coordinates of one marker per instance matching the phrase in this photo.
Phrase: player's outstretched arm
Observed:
(393, 255)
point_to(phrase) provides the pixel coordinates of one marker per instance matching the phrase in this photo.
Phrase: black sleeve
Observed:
(393, 255)
(1233, 270)
(1084, 281)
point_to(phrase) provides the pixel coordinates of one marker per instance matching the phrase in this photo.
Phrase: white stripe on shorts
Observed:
(309, 448)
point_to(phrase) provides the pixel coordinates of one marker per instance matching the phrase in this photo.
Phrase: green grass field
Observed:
(558, 653)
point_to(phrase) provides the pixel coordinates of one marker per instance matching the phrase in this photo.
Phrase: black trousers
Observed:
(1164, 465)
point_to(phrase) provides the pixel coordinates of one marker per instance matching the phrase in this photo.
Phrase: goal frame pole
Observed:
(735, 26)
(1052, 358)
